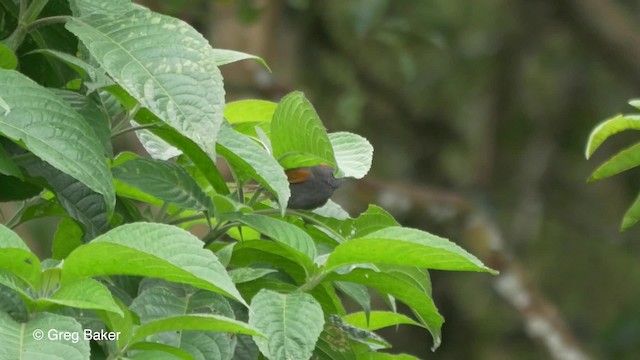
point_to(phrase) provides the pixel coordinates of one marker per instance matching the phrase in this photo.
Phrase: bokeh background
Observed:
(479, 112)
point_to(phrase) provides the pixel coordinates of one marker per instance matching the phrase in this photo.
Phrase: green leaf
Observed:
(80, 202)
(155, 146)
(291, 323)
(404, 246)
(224, 57)
(609, 128)
(622, 161)
(83, 294)
(67, 237)
(122, 324)
(373, 219)
(202, 322)
(251, 160)
(379, 320)
(244, 111)
(420, 303)
(18, 259)
(632, 215)
(86, 70)
(8, 59)
(41, 336)
(332, 210)
(186, 92)
(246, 349)
(8, 167)
(159, 300)
(200, 159)
(278, 255)
(358, 293)
(248, 274)
(19, 286)
(366, 337)
(54, 132)
(298, 136)
(153, 250)
(93, 114)
(163, 180)
(354, 154)
(282, 232)
(88, 7)
(334, 344)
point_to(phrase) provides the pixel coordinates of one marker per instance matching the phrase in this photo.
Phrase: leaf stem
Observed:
(47, 21)
(135, 128)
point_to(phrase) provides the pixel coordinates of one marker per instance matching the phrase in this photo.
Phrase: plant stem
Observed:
(134, 128)
(217, 232)
(47, 21)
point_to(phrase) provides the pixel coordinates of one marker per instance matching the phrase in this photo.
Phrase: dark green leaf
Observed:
(163, 180)
(53, 131)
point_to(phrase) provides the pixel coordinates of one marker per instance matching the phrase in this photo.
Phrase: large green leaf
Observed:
(152, 250)
(159, 301)
(18, 259)
(298, 136)
(186, 91)
(252, 161)
(354, 154)
(53, 131)
(404, 246)
(163, 180)
(420, 303)
(622, 161)
(282, 232)
(83, 294)
(608, 128)
(42, 338)
(291, 323)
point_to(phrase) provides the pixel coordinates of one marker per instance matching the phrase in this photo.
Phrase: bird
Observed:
(311, 187)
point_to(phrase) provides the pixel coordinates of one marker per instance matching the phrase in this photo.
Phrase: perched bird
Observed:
(311, 187)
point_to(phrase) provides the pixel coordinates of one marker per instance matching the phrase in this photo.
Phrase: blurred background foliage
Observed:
(484, 103)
